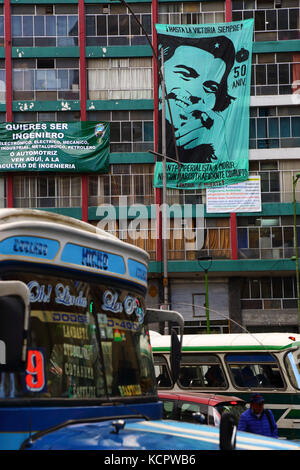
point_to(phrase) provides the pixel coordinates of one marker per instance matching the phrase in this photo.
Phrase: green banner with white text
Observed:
(207, 77)
(81, 147)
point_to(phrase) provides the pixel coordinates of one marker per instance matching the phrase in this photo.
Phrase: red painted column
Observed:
(82, 61)
(157, 191)
(8, 84)
(233, 222)
(228, 13)
(83, 94)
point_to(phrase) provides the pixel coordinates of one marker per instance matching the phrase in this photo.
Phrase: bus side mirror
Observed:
(155, 315)
(14, 320)
(175, 356)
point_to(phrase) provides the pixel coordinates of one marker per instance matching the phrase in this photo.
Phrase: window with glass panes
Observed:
(114, 25)
(275, 73)
(274, 20)
(269, 293)
(133, 182)
(274, 127)
(3, 198)
(59, 116)
(2, 81)
(45, 79)
(266, 237)
(44, 25)
(191, 12)
(120, 78)
(269, 179)
(216, 241)
(47, 191)
(130, 131)
(1, 26)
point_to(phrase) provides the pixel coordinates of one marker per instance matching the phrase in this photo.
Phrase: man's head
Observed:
(214, 375)
(200, 66)
(257, 403)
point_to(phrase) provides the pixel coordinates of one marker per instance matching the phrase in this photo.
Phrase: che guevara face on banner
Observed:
(196, 73)
(207, 74)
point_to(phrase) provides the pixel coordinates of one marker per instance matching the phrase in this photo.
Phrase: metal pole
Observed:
(296, 249)
(164, 198)
(207, 302)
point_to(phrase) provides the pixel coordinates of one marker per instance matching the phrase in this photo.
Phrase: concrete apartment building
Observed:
(83, 60)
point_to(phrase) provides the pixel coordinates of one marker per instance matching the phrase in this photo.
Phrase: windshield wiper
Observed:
(29, 442)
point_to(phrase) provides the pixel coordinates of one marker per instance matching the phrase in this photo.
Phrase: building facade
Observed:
(83, 60)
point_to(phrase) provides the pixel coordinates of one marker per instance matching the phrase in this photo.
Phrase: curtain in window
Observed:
(25, 191)
(69, 191)
(296, 73)
(218, 240)
(118, 81)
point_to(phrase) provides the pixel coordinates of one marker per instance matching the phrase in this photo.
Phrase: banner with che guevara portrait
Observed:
(207, 76)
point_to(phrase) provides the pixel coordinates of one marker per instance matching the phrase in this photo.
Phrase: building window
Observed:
(44, 25)
(3, 198)
(192, 12)
(266, 237)
(47, 191)
(273, 20)
(130, 131)
(45, 79)
(2, 81)
(1, 26)
(128, 78)
(275, 74)
(269, 293)
(135, 182)
(269, 179)
(274, 127)
(114, 25)
(217, 241)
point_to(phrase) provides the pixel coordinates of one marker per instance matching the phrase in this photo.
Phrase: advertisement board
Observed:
(238, 197)
(81, 147)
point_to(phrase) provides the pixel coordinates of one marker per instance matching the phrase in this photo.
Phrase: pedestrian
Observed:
(257, 419)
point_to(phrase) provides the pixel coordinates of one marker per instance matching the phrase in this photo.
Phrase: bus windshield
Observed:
(293, 367)
(87, 340)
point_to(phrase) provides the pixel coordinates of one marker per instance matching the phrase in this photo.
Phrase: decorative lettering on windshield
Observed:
(42, 293)
(130, 305)
(130, 390)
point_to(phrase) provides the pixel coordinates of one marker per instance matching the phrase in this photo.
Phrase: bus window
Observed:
(254, 370)
(292, 362)
(162, 374)
(204, 372)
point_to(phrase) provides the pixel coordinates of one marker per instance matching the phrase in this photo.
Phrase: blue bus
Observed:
(76, 365)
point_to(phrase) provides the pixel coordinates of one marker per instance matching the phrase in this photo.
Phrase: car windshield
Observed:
(87, 341)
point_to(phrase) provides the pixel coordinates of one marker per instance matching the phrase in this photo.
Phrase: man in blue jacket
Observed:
(258, 420)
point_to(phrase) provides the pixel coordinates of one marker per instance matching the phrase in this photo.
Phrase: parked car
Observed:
(206, 408)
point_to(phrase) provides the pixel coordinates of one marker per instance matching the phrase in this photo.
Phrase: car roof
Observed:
(205, 398)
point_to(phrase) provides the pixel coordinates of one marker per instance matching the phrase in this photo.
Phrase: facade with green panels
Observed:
(90, 61)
